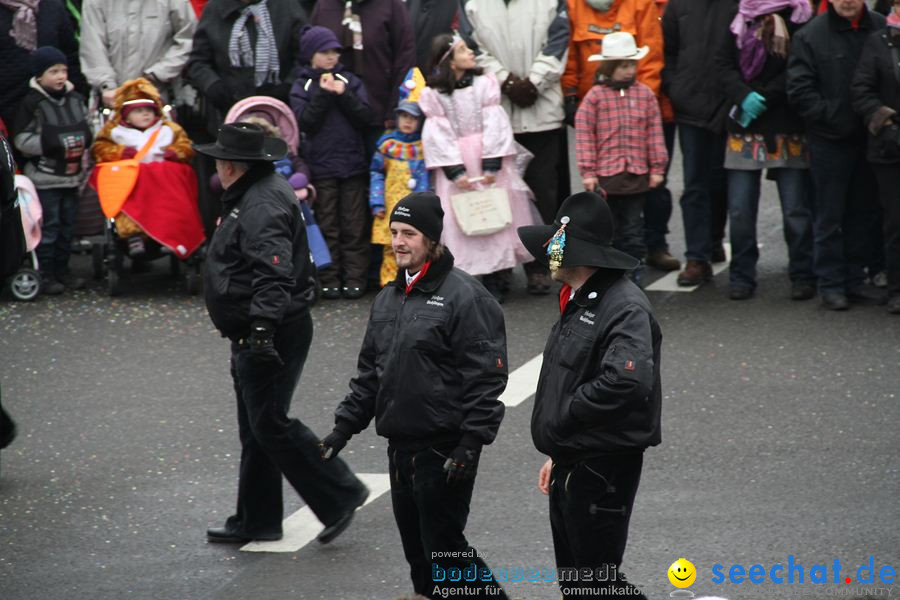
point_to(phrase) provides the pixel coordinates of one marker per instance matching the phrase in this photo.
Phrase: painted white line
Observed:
(302, 527)
(522, 382)
(669, 283)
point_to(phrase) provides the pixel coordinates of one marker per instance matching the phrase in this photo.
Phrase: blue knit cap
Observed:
(45, 57)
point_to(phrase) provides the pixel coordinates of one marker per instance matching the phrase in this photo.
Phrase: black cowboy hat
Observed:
(589, 235)
(244, 142)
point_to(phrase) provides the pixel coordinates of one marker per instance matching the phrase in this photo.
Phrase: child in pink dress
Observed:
(467, 136)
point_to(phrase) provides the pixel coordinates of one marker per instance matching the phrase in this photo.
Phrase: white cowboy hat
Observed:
(620, 46)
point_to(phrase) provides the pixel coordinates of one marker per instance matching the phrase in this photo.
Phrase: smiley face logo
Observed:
(682, 573)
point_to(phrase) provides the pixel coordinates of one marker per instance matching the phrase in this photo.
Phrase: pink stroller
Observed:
(277, 118)
(26, 283)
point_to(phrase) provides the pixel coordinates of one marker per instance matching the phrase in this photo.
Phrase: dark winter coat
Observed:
(257, 262)
(209, 63)
(388, 48)
(333, 143)
(692, 30)
(599, 390)
(824, 56)
(53, 29)
(430, 18)
(432, 364)
(771, 83)
(877, 84)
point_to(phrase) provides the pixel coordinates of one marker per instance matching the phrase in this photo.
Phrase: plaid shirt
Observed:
(620, 130)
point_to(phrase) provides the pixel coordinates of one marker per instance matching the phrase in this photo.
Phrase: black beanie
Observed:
(423, 211)
(45, 57)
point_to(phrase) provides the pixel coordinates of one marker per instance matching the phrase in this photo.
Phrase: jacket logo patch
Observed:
(584, 318)
(435, 300)
(604, 30)
(275, 260)
(629, 365)
(234, 213)
(499, 363)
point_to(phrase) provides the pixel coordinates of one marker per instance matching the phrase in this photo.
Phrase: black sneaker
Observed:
(740, 293)
(50, 286)
(331, 293)
(867, 294)
(352, 292)
(71, 282)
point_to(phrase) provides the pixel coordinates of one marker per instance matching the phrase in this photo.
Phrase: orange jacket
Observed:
(637, 17)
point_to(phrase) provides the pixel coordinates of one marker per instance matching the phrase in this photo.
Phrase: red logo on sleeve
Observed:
(629, 365)
(499, 363)
(275, 260)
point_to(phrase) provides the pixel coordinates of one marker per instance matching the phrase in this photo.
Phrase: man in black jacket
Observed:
(823, 58)
(431, 369)
(597, 405)
(691, 29)
(259, 282)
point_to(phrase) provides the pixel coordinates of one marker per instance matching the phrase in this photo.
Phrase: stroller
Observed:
(280, 119)
(25, 284)
(109, 256)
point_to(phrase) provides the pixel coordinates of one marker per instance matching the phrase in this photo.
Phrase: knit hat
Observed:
(130, 105)
(45, 57)
(423, 211)
(316, 39)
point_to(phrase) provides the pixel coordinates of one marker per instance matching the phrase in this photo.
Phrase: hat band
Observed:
(239, 153)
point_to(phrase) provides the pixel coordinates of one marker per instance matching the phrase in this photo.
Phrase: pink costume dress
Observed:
(462, 129)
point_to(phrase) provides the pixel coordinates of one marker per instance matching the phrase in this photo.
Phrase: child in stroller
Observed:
(277, 120)
(160, 215)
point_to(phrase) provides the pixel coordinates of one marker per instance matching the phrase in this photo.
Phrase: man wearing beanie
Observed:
(431, 369)
(53, 134)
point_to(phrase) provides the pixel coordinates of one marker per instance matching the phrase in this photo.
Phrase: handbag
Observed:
(482, 212)
(116, 179)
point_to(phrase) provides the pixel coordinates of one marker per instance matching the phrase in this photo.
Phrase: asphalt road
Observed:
(779, 438)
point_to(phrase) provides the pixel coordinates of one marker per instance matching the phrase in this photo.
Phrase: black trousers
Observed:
(431, 516)
(888, 177)
(342, 211)
(273, 444)
(590, 507)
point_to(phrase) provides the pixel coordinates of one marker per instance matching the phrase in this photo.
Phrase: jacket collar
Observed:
(842, 24)
(432, 280)
(257, 171)
(33, 84)
(593, 290)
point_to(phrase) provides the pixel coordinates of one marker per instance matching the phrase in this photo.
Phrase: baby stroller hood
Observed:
(32, 214)
(273, 110)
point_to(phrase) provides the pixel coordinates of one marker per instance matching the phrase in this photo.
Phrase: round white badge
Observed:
(411, 184)
(592, 295)
(564, 220)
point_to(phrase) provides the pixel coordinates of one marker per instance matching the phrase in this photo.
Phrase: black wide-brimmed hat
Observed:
(587, 224)
(244, 142)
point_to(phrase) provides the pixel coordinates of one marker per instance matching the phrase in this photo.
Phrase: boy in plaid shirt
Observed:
(619, 141)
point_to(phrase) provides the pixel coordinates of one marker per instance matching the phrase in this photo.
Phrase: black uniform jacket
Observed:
(432, 364)
(258, 265)
(599, 388)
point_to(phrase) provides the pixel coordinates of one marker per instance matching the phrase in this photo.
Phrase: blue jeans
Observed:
(743, 204)
(60, 207)
(705, 188)
(847, 217)
(658, 207)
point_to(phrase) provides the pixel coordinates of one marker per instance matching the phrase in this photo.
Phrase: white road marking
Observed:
(669, 283)
(302, 527)
(522, 382)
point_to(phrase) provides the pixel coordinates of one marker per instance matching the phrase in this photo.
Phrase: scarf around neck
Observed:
(265, 60)
(754, 41)
(24, 29)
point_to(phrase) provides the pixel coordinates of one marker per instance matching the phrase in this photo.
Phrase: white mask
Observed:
(601, 5)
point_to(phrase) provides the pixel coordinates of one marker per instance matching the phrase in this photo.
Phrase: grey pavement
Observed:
(779, 438)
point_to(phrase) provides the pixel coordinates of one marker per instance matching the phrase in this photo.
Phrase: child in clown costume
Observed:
(398, 168)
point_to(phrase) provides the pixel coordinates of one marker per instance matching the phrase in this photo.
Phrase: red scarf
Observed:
(418, 276)
(565, 294)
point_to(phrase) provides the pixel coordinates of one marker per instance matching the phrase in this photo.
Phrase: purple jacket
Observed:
(331, 125)
(389, 49)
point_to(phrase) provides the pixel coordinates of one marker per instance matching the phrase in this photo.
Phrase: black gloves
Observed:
(571, 107)
(262, 343)
(333, 443)
(220, 96)
(521, 92)
(462, 464)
